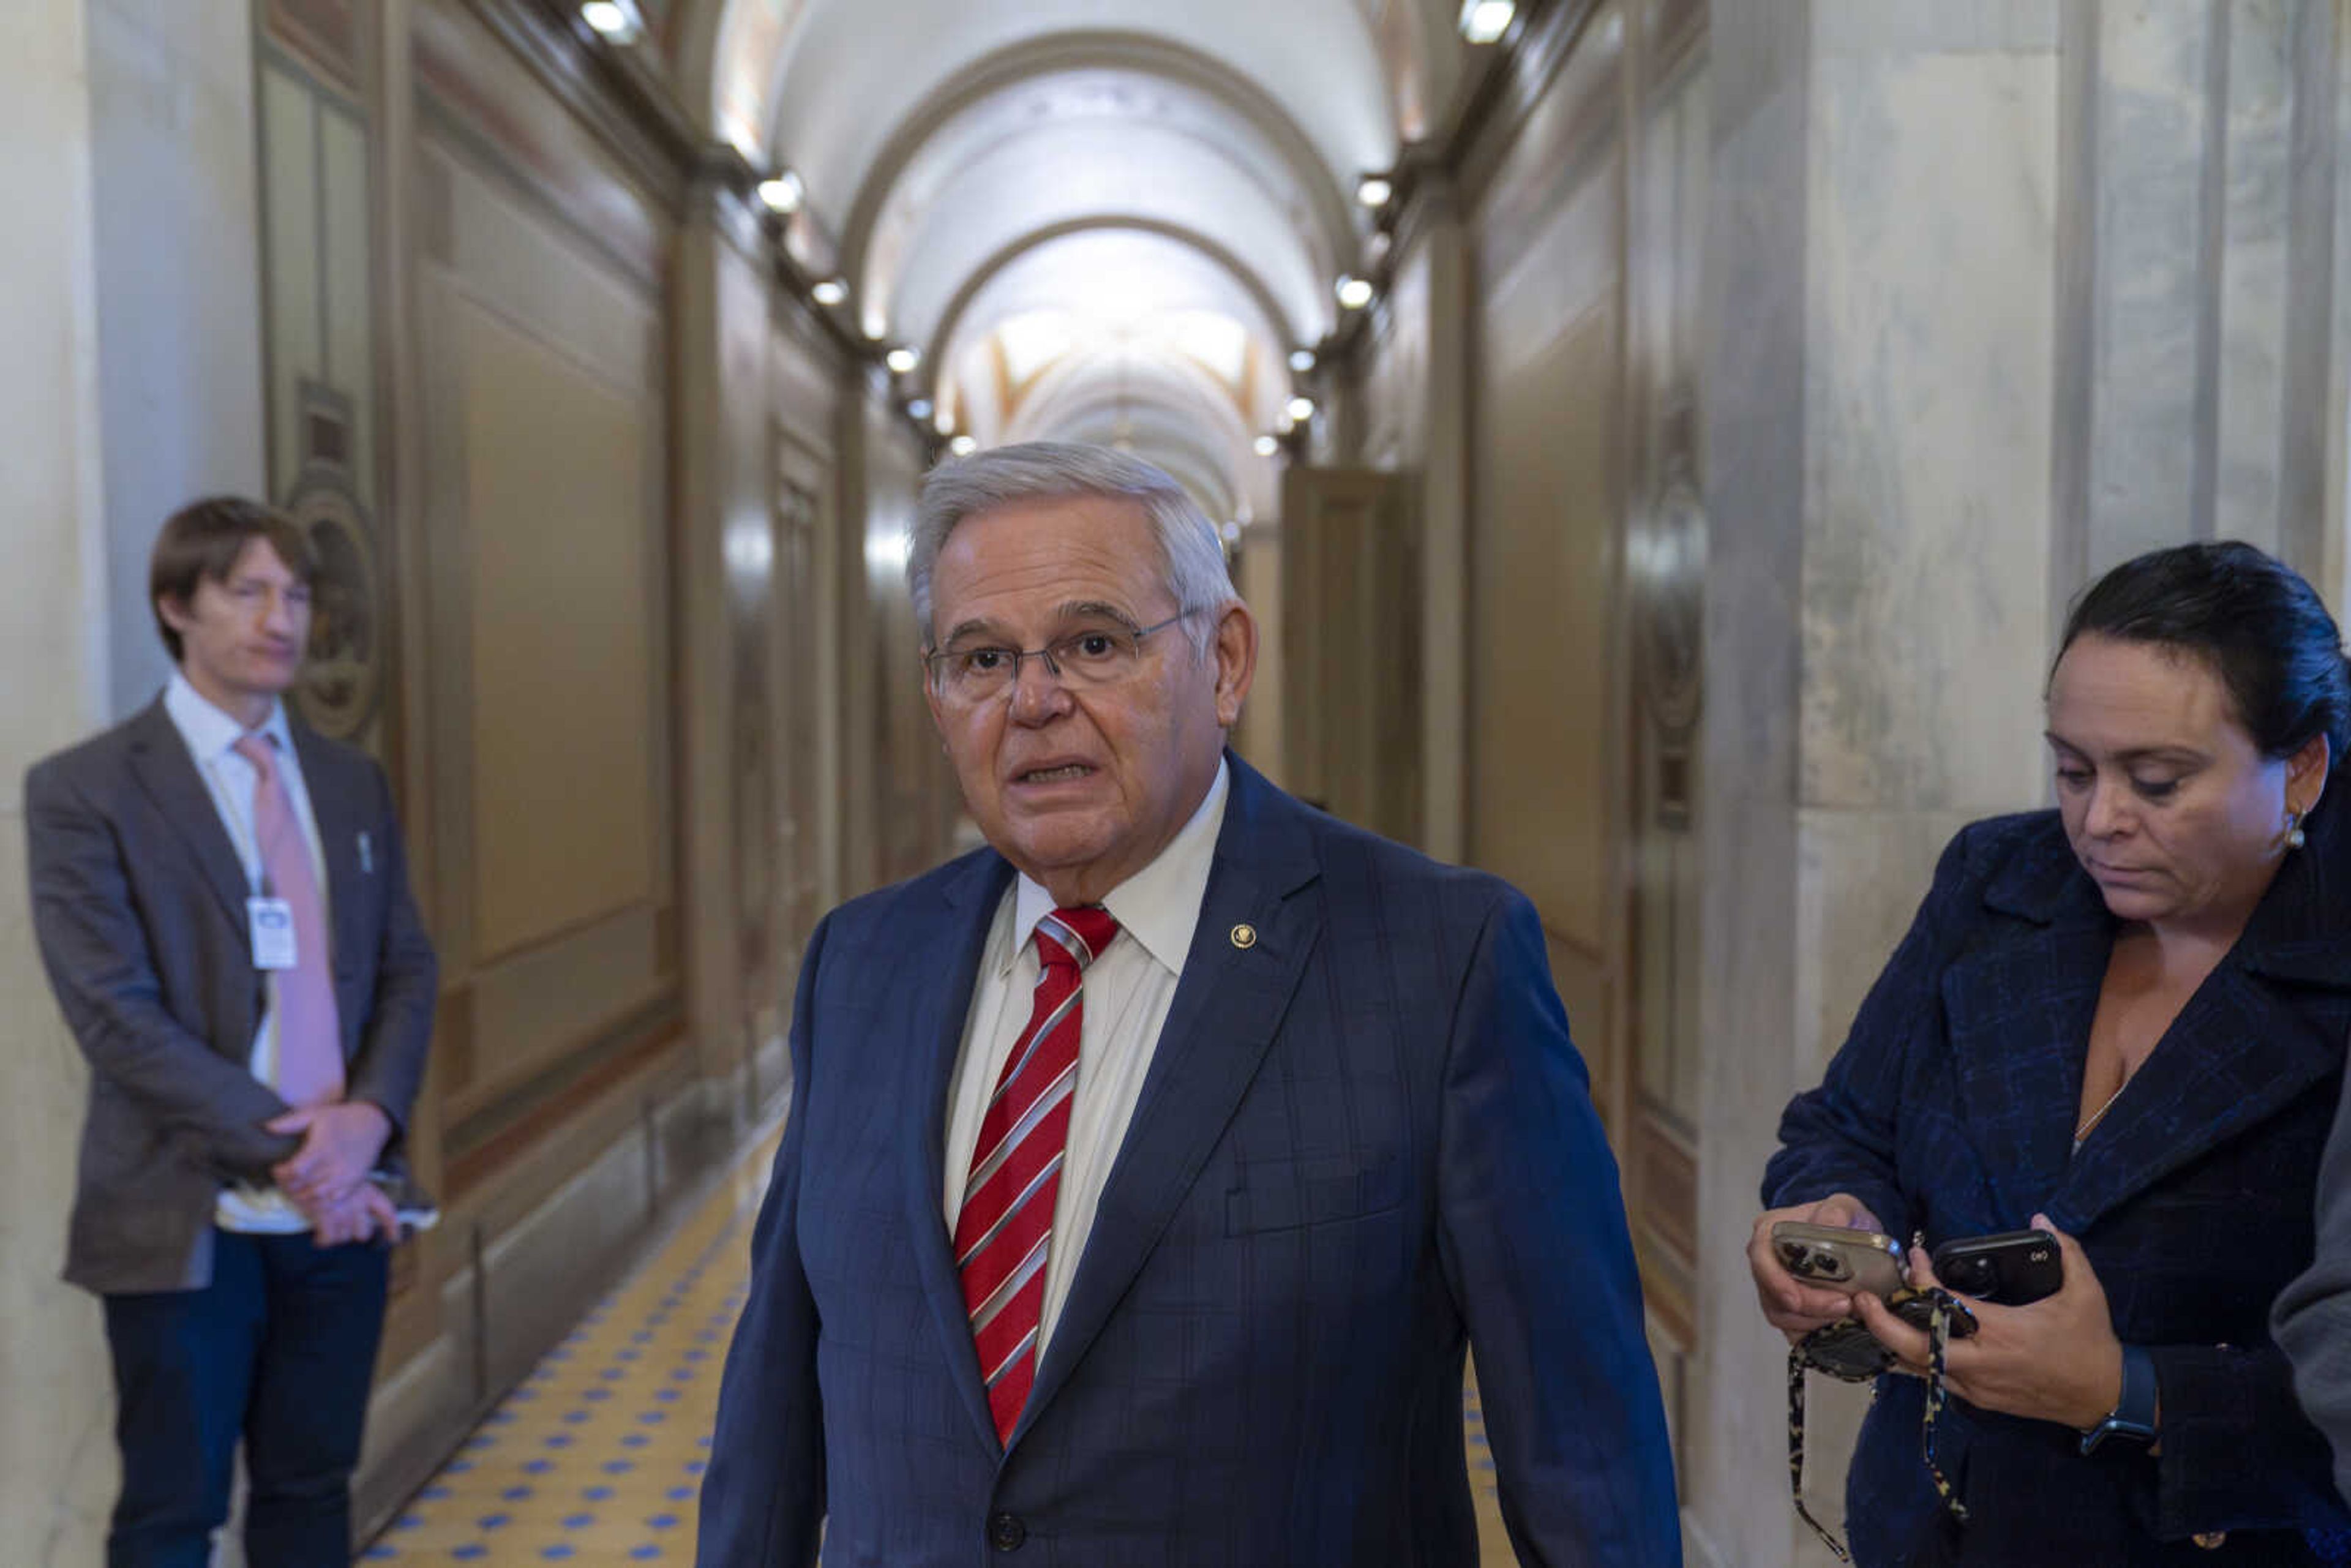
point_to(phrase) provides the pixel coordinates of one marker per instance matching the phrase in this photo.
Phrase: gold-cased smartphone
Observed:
(1838, 1258)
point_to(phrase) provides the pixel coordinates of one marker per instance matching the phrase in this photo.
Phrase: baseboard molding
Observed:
(531, 1281)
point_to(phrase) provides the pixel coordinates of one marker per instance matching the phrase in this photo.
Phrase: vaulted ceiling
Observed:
(1090, 219)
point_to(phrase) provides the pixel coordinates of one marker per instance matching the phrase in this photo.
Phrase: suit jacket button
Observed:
(1006, 1533)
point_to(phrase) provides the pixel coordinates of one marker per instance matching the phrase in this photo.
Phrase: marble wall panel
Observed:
(56, 1455)
(293, 267)
(176, 257)
(2254, 301)
(1927, 397)
(1860, 878)
(57, 1468)
(2156, 138)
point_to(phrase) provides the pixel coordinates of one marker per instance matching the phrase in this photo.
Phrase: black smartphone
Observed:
(2010, 1270)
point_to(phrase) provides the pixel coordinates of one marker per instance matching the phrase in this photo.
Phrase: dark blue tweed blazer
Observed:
(1364, 1139)
(1950, 1110)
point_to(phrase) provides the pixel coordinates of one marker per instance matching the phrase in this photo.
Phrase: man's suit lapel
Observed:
(932, 1010)
(1225, 1012)
(161, 764)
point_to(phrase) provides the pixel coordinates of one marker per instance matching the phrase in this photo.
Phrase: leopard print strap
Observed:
(1799, 1364)
(1938, 1340)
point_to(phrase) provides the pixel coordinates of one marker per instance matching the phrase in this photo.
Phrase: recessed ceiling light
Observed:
(1355, 293)
(1484, 21)
(1374, 191)
(1302, 360)
(902, 361)
(920, 408)
(1302, 409)
(875, 328)
(1267, 445)
(612, 20)
(830, 292)
(783, 193)
(963, 447)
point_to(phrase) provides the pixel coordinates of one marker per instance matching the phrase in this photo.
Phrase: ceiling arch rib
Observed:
(1082, 144)
(1204, 91)
(1104, 293)
(856, 76)
(1262, 308)
(1170, 435)
(1059, 175)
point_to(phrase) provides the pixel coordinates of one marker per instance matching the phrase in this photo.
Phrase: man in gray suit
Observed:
(222, 902)
(2313, 1315)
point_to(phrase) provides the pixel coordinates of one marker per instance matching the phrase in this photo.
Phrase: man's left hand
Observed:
(2056, 1360)
(339, 1146)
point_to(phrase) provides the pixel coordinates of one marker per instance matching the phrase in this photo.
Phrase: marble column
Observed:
(724, 501)
(1877, 393)
(178, 268)
(2000, 295)
(2197, 222)
(56, 1454)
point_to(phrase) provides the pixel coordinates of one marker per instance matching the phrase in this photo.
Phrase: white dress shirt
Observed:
(212, 736)
(1125, 1001)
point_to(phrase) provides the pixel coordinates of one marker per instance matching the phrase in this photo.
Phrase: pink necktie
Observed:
(310, 1041)
(1005, 1229)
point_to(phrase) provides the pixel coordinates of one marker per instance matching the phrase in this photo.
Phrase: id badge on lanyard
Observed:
(272, 923)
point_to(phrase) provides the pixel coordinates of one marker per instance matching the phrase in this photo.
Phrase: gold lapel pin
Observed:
(1244, 936)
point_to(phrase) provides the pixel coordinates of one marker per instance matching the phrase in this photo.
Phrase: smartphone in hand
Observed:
(2010, 1270)
(1838, 1258)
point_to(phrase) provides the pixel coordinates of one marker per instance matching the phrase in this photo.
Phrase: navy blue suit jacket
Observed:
(1950, 1110)
(1362, 1141)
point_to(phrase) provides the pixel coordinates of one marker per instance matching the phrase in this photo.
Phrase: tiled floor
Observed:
(596, 1459)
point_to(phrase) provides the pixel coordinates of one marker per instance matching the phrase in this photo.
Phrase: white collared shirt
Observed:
(212, 736)
(1126, 997)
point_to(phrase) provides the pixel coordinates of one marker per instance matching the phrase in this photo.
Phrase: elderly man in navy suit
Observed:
(223, 906)
(1149, 1170)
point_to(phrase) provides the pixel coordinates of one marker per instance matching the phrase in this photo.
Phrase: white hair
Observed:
(1192, 557)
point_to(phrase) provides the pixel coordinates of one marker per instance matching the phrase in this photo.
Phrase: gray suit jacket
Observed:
(139, 906)
(2313, 1316)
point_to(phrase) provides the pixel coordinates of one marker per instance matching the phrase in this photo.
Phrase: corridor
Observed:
(1656, 439)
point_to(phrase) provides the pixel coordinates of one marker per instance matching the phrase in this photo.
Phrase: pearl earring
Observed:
(2293, 834)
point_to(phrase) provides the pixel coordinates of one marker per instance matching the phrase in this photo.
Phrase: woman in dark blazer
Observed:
(2123, 1021)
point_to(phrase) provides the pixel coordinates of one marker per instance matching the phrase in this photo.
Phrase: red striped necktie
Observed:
(1005, 1229)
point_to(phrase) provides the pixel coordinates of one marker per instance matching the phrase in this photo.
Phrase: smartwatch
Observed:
(2133, 1416)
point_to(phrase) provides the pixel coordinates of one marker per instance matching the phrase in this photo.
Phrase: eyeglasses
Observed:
(1092, 656)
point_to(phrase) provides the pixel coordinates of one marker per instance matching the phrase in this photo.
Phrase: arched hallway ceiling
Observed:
(1120, 316)
(1165, 138)
(1095, 218)
(1115, 276)
(1160, 412)
(854, 72)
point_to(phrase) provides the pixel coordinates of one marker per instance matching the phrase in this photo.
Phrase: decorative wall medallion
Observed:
(1674, 603)
(1669, 581)
(343, 682)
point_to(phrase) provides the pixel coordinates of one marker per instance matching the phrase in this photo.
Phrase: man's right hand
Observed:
(1790, 1305)
(363, 1213)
